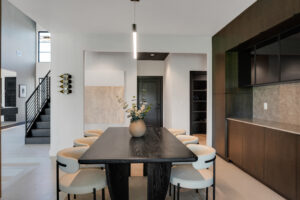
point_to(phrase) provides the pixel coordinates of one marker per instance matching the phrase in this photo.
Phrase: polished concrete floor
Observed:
(29, 174)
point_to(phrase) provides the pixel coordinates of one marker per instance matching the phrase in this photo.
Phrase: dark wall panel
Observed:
(258, 18)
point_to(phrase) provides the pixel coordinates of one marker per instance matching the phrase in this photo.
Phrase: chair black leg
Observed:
(57, 181)
(69, 198)
(103, 194)
(94, 193)
(214, 180)
(207, 193)
(170, 189)
(174, 192)
(178, 191)
(74, 196)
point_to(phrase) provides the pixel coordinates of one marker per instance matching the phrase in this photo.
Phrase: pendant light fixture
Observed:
(134, 31)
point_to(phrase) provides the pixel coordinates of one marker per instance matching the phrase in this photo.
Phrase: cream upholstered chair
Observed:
(188, 139)
(93, 133)
(86, 141)
(177, 131)
(75, 180)
(195, 175)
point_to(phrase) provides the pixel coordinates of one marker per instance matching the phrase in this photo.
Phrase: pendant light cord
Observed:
(134, 6)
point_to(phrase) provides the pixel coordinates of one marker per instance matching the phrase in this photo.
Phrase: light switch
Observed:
(19, 53)
(265, 106)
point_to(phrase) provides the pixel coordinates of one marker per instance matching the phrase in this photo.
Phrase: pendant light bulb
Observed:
(134, 39)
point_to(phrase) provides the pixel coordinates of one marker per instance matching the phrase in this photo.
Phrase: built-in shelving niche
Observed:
(198, 102)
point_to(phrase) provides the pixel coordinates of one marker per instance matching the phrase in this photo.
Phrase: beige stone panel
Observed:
(269, 94)
(283, 103)
(101, 105)
(290, 103)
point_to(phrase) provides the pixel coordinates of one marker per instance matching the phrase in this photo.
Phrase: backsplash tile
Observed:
(283, 103)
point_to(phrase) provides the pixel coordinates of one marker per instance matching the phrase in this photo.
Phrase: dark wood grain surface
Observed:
(117, 146)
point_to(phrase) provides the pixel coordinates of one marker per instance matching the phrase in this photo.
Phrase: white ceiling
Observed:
(167, 17)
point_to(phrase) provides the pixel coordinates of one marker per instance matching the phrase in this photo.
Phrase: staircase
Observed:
(38, 106)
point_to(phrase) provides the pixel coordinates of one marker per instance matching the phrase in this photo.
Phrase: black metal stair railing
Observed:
(36, 102)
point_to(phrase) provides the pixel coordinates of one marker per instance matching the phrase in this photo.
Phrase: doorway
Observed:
(151, 88)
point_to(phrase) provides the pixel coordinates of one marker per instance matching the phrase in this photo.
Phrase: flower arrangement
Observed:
(134, 112)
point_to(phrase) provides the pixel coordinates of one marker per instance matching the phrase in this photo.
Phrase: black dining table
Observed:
(157, 149)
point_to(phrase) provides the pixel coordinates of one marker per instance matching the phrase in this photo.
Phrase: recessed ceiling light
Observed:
(152, 54)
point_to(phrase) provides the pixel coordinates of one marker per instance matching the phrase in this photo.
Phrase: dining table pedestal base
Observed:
(158, 180)
(117, 180)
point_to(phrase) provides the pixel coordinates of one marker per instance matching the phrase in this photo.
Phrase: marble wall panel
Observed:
(101, 105)
(283, 103)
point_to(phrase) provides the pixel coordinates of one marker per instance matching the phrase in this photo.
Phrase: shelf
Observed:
(199, 90)
(198, 99)
(200, 122)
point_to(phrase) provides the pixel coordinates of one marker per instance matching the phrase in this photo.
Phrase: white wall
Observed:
(67, 113)
(112, 65)
(150, 68)
(177, 88)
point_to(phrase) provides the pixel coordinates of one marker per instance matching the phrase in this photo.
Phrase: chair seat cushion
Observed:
(83, 181)
(188, 139)
(188, 177)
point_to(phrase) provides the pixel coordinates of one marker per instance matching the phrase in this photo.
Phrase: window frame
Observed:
(39, 32)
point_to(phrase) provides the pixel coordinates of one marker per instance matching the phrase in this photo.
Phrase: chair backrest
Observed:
(177, 131)
(69, 158)
(86, 141)
(204, 153)
(188, 139)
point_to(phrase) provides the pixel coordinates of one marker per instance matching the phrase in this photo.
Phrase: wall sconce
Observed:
(66, 84)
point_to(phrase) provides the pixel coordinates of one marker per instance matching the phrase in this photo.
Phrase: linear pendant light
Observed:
(134, 39)
(134, 32)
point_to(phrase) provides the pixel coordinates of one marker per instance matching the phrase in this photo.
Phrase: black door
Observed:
(10, 91)
(151, 89)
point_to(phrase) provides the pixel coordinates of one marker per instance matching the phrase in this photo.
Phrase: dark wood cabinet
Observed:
(298, 168)
(235, 142)
(271, 156)
(219, 127)
(280, 162)
(246, 147)
(253, 150)
(250, 26)
(276, 11)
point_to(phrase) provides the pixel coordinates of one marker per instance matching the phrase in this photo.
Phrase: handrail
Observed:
(36, 102)
(47, 75)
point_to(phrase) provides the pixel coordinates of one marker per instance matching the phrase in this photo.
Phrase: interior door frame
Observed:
(0, 98)
(160, 78)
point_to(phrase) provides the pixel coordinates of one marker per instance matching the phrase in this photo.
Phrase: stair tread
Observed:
(37, 140)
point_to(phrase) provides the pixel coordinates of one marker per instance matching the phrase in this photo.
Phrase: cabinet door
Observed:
(235, 142)
(219, 124)
(253, 150)
(280, 162)
(298, 167)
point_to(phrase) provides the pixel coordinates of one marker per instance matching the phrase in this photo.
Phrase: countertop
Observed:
(290, 128)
